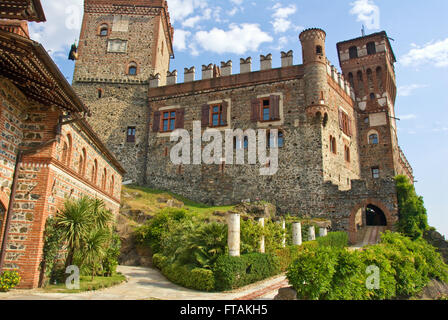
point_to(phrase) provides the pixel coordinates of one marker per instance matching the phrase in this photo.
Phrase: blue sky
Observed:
(208, 31)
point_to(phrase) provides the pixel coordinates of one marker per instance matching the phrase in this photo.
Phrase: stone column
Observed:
(262, 240)
(322, 232)
(283, 222)
(297, 233)
(233, 223)
(311, 233)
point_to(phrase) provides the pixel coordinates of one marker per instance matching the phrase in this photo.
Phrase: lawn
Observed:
(86, 284)
(151, 201)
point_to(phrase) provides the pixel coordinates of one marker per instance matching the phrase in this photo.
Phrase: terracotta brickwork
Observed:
(46, 178)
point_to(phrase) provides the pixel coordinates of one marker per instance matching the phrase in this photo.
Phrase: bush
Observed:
(190, 277)
(235, 272)
(159, 260)
(334, 239)
(413, 216)
(312, 272)
(289, 254)
(8, 280)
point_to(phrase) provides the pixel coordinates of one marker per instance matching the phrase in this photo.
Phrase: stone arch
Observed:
(370, 133)
(362, 206)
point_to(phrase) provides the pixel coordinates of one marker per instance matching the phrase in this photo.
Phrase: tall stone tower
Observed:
(123, 43)
(368, 63)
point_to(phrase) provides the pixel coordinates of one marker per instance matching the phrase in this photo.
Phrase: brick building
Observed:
(338, 147)
(48, 151)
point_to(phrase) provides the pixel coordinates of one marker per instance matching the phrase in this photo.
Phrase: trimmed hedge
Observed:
(189, 276)
(334, 239)
(235, 272)
(331, 273)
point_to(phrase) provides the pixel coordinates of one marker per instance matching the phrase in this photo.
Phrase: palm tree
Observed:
(208, 244)
(75, 223)
(94, 247)
(102, 217)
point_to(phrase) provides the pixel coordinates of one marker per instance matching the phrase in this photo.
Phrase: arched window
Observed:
(132, 69)
(371, 48)
(82, 162)
(112, 184)
(94, 171)
(100, 93)
(379, 78)
(351, 80)
(370, 79)
(319, 50)
(347, 153)
(353, 52)
(64, 153)
(333, 145)
(104, 179)
(373, 138)
(372, 96)
(104, 30)
(360, 83)
(69, 152)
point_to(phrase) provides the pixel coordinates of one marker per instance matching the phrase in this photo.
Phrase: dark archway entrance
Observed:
(375, 216)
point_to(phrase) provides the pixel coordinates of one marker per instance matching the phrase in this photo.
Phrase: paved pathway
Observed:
(146, 283)
(371, 236)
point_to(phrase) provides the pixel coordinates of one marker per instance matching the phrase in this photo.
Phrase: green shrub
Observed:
(190, 277)
(251, 233)
(235, 272)
(413, 216)
(159, 260)
(274, 234)
(311, 274)
(334, 239)
(8, 280)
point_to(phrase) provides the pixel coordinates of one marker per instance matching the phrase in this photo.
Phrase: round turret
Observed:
(313, 45)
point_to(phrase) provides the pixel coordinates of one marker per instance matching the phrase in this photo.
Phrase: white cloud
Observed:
(435, 53)
(180, 39)
(406, 91)
(239, 39)
(281, 23)
(237, 2)
(181, 9)
(62, 28)
(408, 117)
(367, 12)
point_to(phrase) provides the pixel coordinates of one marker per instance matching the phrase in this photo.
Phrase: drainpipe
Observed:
(21, 153)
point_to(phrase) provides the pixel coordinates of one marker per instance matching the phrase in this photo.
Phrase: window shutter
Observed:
(274, 102)
(156, 123)
(205, 119)
(225, 107)
(180, 115)
(255, 110)
(341, 124)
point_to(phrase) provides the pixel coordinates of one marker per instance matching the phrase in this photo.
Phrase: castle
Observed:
(338, 147)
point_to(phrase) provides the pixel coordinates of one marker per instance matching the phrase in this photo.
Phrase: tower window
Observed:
(375, 173)
(333, 145)
(132, 69)
(319, 50)
(130, 136)
(347, 153)
(371, 48)
(100, 93)
(372, 96)
(353, 52)
(373, 139)
(104, 30)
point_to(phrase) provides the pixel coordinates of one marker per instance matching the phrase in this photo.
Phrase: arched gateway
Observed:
(368, 213)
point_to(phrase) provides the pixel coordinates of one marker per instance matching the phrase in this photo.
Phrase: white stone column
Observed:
(233, 241)
(322, 232)
(297, 233)
(311, 233)
(262, 240)
(284, 233)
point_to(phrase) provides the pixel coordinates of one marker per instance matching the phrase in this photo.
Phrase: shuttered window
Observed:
(345, 123)
(266, 109)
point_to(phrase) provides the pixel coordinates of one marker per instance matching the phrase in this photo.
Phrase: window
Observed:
(347, 153)
(168, 121)
(271, 142)
(104, 30)
(371, 48)
(112, 185)
(132, 69)
(373, 139)
(375, 173)
(104, 179)
(265, 111)
(333, 145)
(130, 135)
(217, 116)
(319, 50)
(94, 171)
(353, 52)
(345, 123)
(351, 80)
(100, 93)
(372, 96)
(64, 153)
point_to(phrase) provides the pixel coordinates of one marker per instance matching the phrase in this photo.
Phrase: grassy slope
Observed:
(151, 201)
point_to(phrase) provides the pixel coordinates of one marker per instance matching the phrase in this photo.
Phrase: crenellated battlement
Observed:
(211, 71)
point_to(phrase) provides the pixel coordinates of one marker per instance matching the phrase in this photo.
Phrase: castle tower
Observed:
(368, 64)
(314, 61)
(122, 44)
